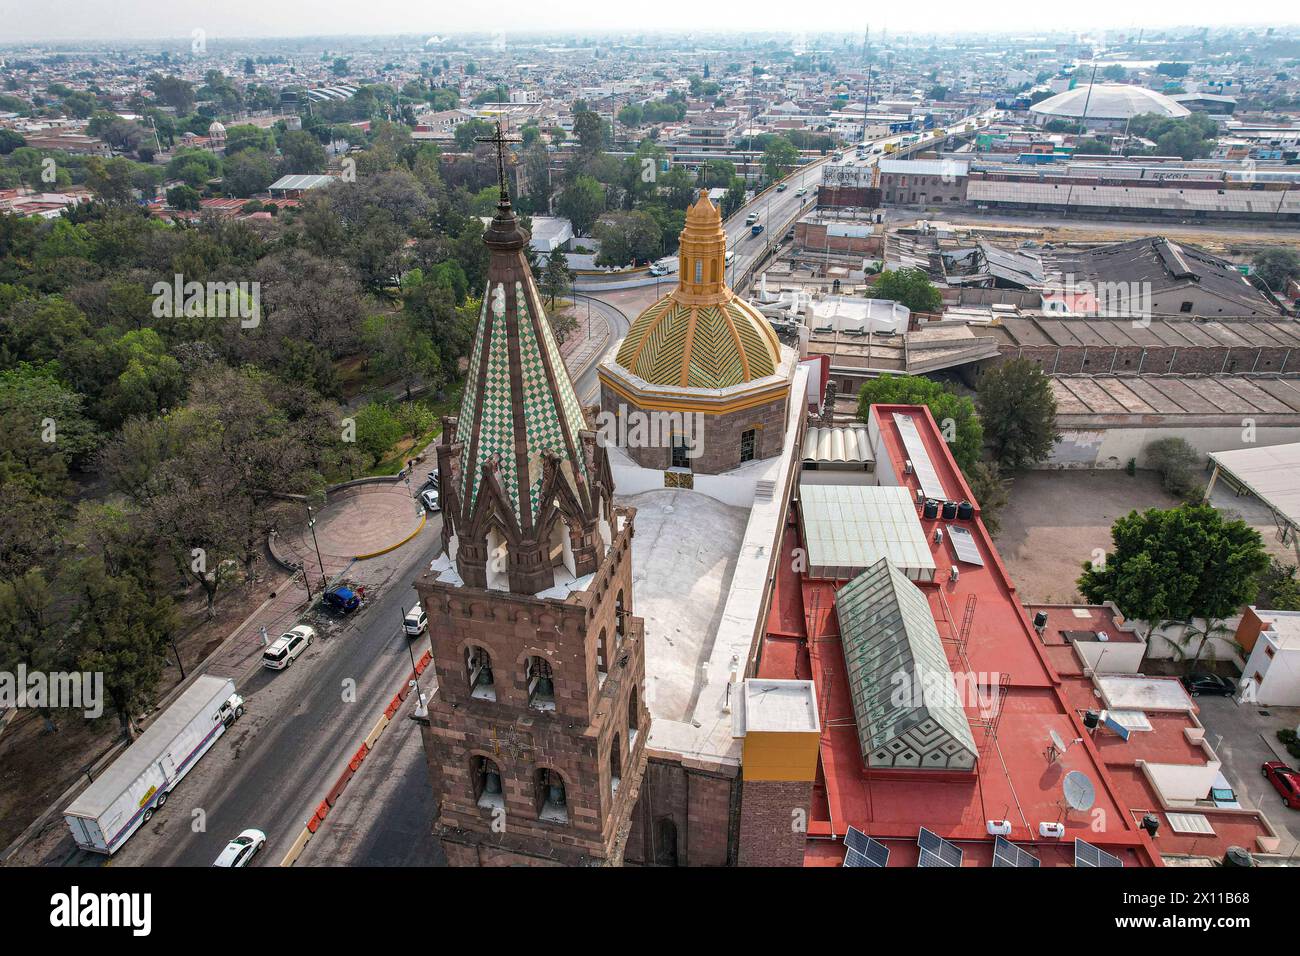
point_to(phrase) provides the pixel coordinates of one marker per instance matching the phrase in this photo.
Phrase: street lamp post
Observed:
(420, 708)
(311, 523)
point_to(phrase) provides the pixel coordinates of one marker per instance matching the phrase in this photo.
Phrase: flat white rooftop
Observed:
(1143, 693)
(683, 556)
(784, 706)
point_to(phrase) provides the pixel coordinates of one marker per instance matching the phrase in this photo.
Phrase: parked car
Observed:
(415, 621)
(429, 498)
(1209, 684)
(241, 850)
(285, 649)
(1285, 781)
(1222, 795)
(342, 598)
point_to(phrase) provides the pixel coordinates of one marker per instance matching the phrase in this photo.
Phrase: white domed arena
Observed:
(1109, 105)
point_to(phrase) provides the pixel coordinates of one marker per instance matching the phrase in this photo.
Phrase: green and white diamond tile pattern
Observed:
(544, 420)
(468, 402)
(496, 430)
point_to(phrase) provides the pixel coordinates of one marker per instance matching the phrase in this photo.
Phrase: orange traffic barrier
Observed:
(313, 824)
(337, 790)
(323, 810)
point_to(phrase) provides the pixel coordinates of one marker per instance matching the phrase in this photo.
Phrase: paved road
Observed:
(586, 384)
(276, 764)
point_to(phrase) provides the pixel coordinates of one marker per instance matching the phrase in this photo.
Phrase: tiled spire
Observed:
(519, 457)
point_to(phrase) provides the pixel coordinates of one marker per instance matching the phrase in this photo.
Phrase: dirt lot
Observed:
(1055, 519)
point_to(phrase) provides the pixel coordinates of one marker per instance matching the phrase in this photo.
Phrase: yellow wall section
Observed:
(770, 755)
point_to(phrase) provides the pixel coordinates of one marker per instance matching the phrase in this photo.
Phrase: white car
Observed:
(241, 850)
(1222, 795)
(415, 621)
(429, 498)
(285, 649)
(801, 191)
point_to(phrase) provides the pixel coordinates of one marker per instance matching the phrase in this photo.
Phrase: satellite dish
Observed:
(1079, 791)
(1057, 743)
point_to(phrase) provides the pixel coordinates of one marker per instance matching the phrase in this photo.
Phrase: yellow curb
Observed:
(295, 851)
(424, 515)
(374, 734)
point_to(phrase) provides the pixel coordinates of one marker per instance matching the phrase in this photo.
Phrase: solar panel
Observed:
(872, 852)
(964, 544)
(1085, 854)
(853, 858)
(1006, 853)
(936, 851)
(920, 458)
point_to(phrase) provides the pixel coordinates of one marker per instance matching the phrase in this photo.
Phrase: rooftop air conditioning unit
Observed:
(999, 827)
(907, 467)
(955, 573)
(1056, 830)
(938, 536)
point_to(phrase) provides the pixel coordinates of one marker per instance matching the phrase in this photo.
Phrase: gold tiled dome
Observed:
(701, 335)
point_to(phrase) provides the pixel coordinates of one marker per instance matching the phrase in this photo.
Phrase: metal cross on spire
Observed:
(500, 139)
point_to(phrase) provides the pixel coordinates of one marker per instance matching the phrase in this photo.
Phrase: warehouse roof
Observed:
(1118, 400)
(1161, 264)
(1171, 200)
(1269, 473)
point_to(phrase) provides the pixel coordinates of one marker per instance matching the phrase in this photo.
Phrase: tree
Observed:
(400, 352)
(1018, 411)
(628, 237)
(954, 414)
(110, 180)
(1278, 588)
(123, 633)
(1177, 463)
(779, 157)
(468, 131)
(1276, 267)
(184, 197)
(301, 153)
(1177, 565)
(991, 492)
(590, 130)
(582, 201)
(909, 287)
(378, 430)
(556, 279)
(250, 171)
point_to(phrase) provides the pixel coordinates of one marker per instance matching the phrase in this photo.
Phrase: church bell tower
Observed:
(535, 734)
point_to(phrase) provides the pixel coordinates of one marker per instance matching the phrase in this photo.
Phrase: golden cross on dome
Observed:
(499, 139)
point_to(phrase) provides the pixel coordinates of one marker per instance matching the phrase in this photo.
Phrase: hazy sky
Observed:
(138, 19)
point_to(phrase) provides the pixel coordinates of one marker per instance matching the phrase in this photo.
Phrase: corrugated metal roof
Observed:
(848, 444)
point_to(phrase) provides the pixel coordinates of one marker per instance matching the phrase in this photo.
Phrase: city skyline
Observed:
(135, 20)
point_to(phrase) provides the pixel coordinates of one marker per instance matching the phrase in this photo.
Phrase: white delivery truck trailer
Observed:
(139, 780)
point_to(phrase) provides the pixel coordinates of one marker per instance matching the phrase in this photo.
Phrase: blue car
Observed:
(342, 599)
